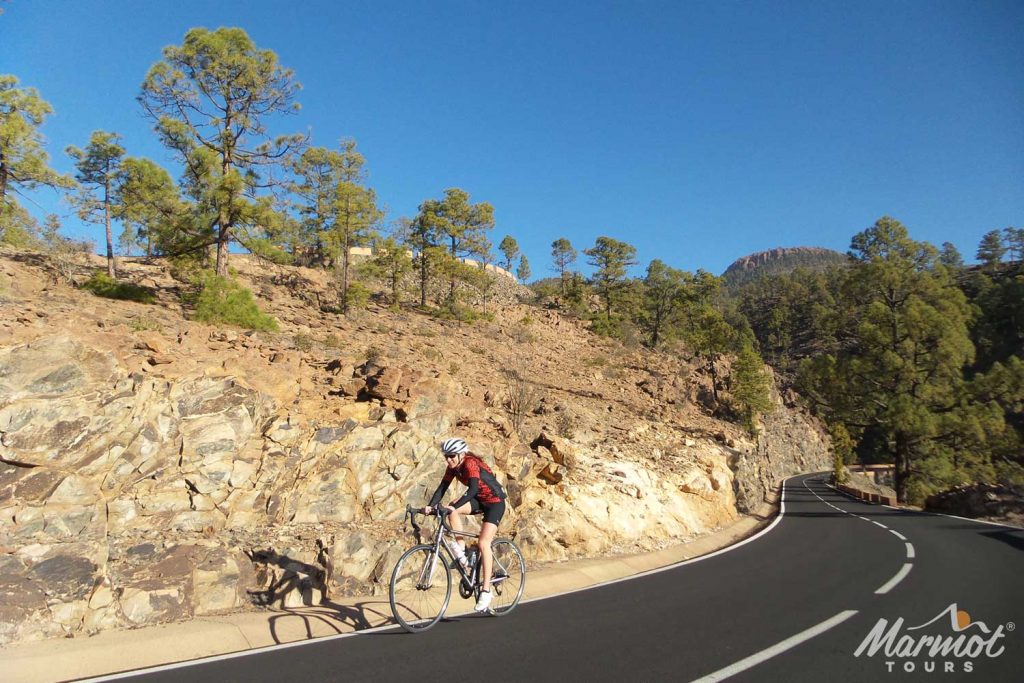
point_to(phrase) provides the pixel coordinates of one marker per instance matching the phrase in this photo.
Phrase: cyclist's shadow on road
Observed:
(334, 616)
(284, 576)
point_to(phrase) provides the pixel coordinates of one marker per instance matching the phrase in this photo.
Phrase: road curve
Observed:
(796, 604)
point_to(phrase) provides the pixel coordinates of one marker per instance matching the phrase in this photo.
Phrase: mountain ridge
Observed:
(778, 261)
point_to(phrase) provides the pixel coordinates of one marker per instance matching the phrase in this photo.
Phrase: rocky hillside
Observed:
(778, 262)
(153, 468)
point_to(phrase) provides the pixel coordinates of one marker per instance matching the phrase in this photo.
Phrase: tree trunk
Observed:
(222, 250)
(3, 179)
(901, 470)
(110, 236)
(451, 289)
(423, 281)
(3, 192)
(714, 378)
(344, 275)
(223, 217)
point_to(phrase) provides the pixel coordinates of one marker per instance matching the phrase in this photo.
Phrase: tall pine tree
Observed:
(99, 166)
(903, 346)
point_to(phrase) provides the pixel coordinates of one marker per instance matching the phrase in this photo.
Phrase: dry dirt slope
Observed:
(273, 467)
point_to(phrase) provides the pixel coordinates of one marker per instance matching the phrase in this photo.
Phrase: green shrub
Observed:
(521, 335)
(103, 285)
(224, 301)
(144, 323)
(463, 314)
(839, 471)
(374, 354)
(303, 342)
(606, 327)
(358, 296)
(565, 424)
(332, 341)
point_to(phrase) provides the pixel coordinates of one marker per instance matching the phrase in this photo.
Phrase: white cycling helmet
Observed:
(454, 446)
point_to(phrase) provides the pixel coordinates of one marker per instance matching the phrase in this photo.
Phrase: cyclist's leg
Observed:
(492, 516)
(455, 521)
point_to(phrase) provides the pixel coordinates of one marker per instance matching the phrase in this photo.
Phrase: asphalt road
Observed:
(795, 604)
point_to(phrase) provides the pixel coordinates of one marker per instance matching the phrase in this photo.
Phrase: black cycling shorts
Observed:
(493, 512)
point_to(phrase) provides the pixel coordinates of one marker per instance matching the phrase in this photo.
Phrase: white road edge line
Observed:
(934, 514)
(324, 639)
(231, 655)
(978, 521)
(910, 551)
(777, 649)
(891, 583)
(898, 534)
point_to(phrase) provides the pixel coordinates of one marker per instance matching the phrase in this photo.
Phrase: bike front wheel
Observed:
(420, 589)
(508, 576)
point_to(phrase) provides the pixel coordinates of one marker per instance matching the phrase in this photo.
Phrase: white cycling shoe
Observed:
(483, 603)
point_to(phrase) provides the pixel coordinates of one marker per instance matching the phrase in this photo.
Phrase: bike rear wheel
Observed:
(508, 576)
(420, 589)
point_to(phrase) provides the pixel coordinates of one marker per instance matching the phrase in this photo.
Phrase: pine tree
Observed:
(318, 173)
(24, 162)
(903, 347)
(751, 385)
(423, 239)
(392, 262)
(1013, 238)
(563, 255)
(463, 225)
(151, 208)
(354, 215)
(950, 257)
(523, 271)
(211, 98)
(991, 250)
(99, 165)
(706, 330)
(509, 249)
(612, 259)
(664, 296)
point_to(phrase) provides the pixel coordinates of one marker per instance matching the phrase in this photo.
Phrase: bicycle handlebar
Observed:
(439, 512)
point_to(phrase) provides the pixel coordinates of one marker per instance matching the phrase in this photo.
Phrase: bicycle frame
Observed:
(443, 532)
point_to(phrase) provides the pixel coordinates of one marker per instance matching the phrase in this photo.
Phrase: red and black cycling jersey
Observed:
(474, 473)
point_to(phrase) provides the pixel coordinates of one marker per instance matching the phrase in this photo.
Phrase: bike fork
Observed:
(427, 573)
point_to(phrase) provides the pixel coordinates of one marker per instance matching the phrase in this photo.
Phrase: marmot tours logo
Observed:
(930, 647)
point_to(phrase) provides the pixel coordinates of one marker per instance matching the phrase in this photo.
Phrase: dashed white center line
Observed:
(911, 554)
(777, 649)
(891, 583)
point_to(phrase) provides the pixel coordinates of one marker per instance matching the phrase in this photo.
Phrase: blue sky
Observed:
(699, 132)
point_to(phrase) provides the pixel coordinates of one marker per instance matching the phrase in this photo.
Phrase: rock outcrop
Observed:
(980, 501)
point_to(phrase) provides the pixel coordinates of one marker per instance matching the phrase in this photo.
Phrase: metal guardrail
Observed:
(867, 496)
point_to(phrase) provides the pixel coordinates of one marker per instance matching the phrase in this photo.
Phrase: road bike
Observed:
(421, 584)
